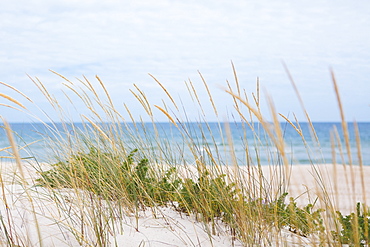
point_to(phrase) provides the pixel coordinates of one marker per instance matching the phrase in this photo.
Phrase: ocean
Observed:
(167, 140)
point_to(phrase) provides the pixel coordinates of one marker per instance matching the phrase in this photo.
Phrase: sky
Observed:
(124, 41)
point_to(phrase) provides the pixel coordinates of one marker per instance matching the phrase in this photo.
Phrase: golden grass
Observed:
(106, 182)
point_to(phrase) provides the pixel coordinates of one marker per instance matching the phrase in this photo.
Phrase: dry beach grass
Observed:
(111, 187)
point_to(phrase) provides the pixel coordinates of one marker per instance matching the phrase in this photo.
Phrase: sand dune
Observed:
(162, 226)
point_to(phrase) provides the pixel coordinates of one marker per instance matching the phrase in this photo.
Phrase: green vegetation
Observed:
(211, 198)
(302, 221)
(355, 227)
(112, 178)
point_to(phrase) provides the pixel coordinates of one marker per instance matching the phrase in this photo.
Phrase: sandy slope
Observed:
(164, 227)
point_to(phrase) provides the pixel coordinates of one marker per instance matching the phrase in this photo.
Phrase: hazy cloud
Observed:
(122, 41)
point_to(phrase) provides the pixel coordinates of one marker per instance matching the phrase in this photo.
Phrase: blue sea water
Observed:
(222, 140)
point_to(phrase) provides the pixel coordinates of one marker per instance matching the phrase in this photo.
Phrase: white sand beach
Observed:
(21, 204)
(345, 185)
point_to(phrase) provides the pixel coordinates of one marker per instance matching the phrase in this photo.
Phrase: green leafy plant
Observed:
(354, 227)
(211, 197)
(302, 221)
(152, 188)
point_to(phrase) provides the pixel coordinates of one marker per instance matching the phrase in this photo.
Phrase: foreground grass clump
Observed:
(112, 177)
(209, 197)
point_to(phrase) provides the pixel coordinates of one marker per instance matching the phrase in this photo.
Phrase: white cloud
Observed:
(122, 41)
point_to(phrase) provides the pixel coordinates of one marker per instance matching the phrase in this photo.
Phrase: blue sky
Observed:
(123, 41)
